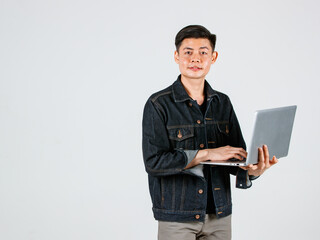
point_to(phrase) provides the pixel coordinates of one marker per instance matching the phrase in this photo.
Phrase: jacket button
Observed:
(190, 104)
(198, 121)
(200, 191)
(197, 216)
(201, 145)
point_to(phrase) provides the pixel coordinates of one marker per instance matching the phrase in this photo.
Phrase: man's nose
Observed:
(195, 58)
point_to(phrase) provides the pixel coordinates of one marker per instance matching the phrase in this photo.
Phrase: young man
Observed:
(184, 125)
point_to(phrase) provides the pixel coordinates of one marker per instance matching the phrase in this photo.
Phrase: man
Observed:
(184, 125)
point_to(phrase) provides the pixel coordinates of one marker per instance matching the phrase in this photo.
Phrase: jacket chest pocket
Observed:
(181, 137)
(218, 134)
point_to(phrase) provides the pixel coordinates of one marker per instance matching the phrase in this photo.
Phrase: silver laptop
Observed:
(272, 127)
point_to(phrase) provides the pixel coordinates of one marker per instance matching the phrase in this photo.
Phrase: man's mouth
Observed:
(195, 68)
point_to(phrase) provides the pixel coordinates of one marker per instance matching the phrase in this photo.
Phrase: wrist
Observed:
(202, 155)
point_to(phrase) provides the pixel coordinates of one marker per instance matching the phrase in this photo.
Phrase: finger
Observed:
(241, 157)
(236, 149)
(273, 161)
(254, 167)
(241, 152)
(266, 156)
(229, 155)
(261, 158)
(250, 167)
(237, 156)
(244, 154)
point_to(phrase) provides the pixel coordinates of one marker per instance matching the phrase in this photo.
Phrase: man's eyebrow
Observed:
(188, 48)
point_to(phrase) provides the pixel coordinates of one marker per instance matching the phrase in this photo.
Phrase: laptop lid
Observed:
(272, 127)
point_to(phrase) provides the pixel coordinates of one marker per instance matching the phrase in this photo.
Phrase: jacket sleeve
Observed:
(159, 158)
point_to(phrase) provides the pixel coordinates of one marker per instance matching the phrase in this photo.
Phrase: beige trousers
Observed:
(211, 229)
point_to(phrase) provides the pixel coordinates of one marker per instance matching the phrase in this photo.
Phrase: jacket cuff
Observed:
(243, 180)
(191, 154)
(197, 170)
(251, 177)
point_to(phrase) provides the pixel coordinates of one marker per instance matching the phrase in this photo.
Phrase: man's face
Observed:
(195, 57)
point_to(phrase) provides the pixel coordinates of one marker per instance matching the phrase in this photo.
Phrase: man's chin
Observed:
(194, 77)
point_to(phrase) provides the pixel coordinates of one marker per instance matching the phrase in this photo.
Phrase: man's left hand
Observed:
(263, 162)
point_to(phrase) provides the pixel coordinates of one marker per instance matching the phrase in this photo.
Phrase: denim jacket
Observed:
(174, 129)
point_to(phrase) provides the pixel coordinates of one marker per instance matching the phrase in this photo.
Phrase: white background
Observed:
(74, 77)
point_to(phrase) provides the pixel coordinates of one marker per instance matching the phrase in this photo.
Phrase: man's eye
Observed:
(203, 53)
(188, 52)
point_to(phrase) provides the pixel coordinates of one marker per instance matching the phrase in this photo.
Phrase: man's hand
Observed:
(263, 162)
(217, 154)
(226, 153)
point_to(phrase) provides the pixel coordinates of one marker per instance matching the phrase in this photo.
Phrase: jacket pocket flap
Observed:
(180, 134)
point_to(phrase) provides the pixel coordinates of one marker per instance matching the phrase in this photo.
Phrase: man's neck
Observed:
(194, 88)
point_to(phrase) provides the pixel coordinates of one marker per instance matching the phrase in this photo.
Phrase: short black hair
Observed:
(194, 31)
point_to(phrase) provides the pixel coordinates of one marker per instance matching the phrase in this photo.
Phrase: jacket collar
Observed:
(181, 95)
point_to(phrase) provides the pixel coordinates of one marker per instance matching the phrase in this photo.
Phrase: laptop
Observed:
(272, 127)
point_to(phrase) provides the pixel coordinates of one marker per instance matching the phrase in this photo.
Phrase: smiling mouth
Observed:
(195, 68)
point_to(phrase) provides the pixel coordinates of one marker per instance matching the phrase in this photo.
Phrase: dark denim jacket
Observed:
(174, 129)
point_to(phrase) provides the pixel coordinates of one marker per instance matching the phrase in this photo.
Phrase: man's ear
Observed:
(176, 56)
(214, 57)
